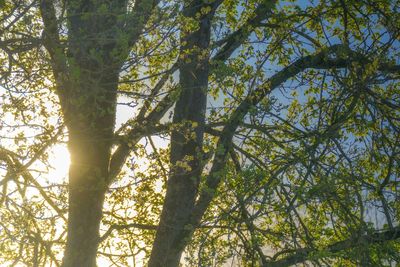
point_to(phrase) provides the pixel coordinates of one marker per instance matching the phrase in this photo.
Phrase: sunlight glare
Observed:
(59, 160)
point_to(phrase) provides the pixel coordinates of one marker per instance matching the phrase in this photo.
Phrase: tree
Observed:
(281, 118)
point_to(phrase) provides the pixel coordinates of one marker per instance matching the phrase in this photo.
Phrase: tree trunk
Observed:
(91, 125)
(186, 144)
(87, 186)
(89, 113)
(86, 68)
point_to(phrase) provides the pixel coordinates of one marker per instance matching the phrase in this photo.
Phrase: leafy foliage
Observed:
(299, 163)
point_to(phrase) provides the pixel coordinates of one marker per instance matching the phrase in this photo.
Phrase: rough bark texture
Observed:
(90, 147)
(89, 110)
(186, 143)
(86, 70)
(85, 204)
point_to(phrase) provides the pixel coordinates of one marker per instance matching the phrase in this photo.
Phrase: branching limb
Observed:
(234, 40)
(51, 40)
(20, 169)
(301, 255)
(138, 18)
(336, 56)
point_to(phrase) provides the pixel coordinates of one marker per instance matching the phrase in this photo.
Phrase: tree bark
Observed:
(186, 143)
(87, 82)
(90, 141)
(86, 195)
(86, 71)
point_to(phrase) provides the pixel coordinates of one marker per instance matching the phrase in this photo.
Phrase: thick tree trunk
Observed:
(81, 249)
(86, 68)
(87, 186)
(91, 126)
(94, 65)
(186, 160)
(186, 144)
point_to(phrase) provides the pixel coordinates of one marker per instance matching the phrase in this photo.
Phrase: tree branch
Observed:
(149, 227)
(137, 132)
(127, 142)
(20, 169)
(231, 42)
(138, 18)
(126, 226)
(51, 41)
(303, 254)
(336, 56)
